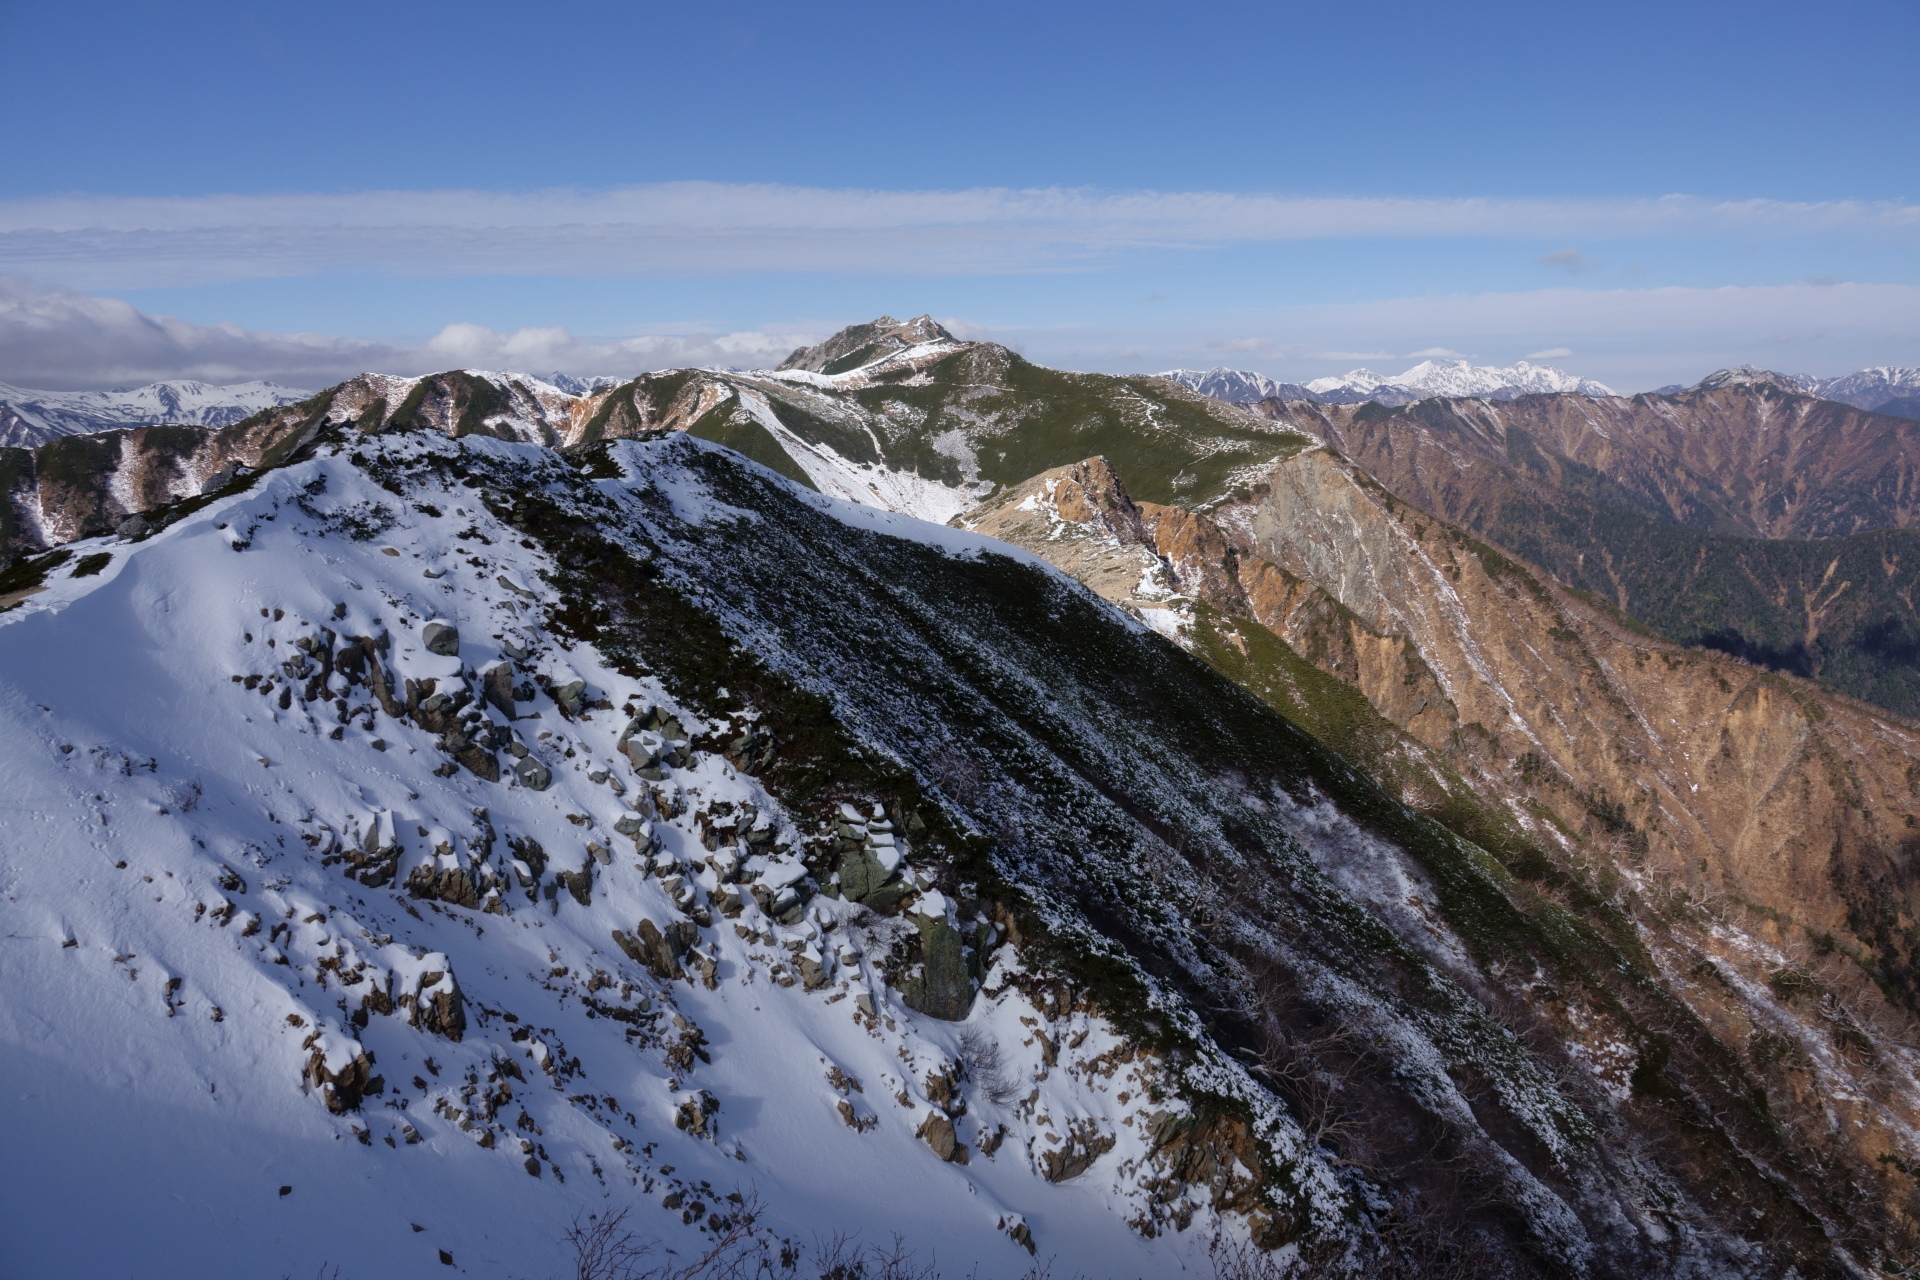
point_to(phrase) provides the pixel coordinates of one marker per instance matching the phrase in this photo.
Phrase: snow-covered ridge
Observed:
(29, 417)
(458, 999)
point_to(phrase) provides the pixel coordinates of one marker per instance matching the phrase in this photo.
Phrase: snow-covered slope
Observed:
(265, 935)
(28, 417)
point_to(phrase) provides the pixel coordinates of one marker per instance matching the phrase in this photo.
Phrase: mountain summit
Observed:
(862, 344)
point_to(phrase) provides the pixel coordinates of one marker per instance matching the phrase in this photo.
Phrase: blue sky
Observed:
(1658, 189)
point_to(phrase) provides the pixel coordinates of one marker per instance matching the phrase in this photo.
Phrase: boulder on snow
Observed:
(339, 1071)
(496, 688)
(696, 1115)
(442, 638)
(659, 951)
(570, 697)
(532, 774)
(937, 1132)
(944, 988)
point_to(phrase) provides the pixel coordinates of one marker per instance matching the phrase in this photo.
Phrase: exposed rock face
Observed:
(83, 485)
(1088, 524)
(944, 988)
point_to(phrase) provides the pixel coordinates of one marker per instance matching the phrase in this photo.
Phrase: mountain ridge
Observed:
(29, 418)
(1048, 824)
(1363, 951)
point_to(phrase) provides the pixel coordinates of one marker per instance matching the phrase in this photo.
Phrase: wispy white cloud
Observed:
(1551, 353)
(1353, 355)
(692, 228)
(1438, 353)
(57, 339)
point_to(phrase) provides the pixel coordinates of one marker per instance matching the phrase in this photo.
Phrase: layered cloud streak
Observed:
(691, 228)
(60, 340)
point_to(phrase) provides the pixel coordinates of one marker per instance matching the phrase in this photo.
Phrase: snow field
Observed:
(184, 946)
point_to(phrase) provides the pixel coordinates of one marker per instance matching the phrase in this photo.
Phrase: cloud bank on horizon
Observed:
(1032, 267)
(59, 339)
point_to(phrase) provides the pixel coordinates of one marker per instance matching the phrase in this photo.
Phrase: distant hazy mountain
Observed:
(29, 418)
(1429, 378)
(1458, 378)
(574, 385)
(1873, 389)
(1237, 386)
(1887, 389)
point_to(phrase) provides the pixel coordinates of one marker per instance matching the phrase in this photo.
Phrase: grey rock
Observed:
(532, 774)
(496, 688)
(134, 527)
(441, 638)
(862, 876)
(944, 988)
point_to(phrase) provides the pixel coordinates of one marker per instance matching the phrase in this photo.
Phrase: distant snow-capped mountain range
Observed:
(1428, 378)
(1882, 389)
(29, 418)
